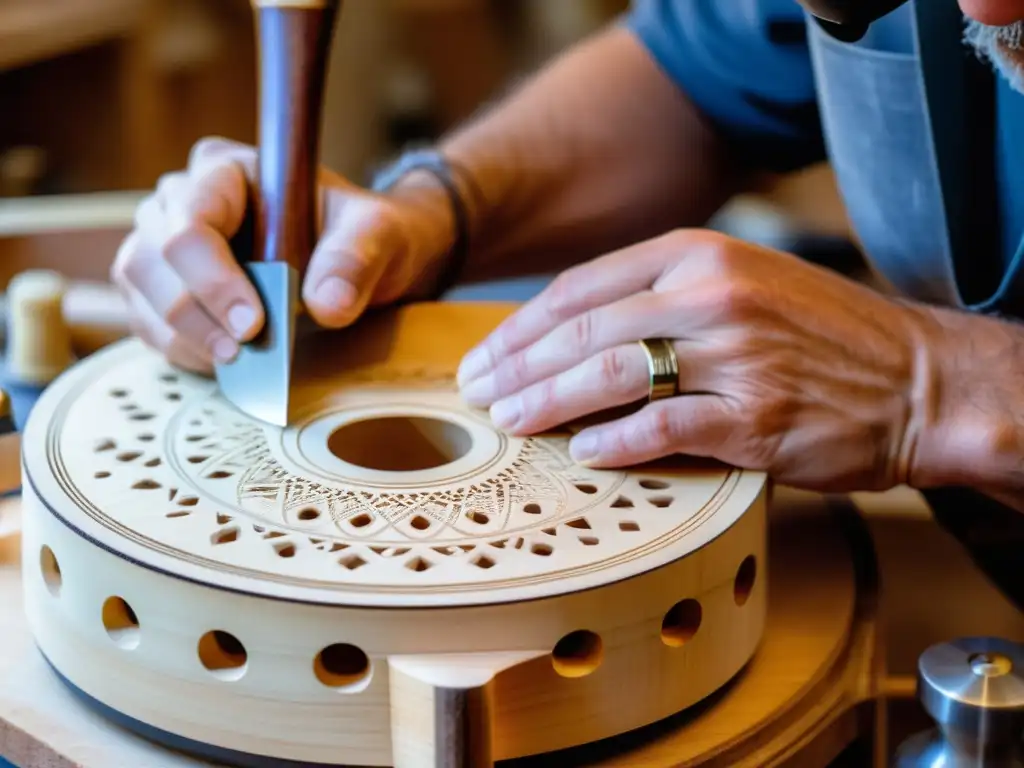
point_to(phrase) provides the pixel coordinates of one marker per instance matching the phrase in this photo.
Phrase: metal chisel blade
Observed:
(258, 380)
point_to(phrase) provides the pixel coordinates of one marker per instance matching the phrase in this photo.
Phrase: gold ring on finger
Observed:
(663, 367)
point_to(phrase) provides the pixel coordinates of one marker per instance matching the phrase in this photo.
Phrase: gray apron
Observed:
(910, 126)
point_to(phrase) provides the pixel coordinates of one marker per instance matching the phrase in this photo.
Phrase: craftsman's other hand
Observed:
(190, 299)
(785, 367)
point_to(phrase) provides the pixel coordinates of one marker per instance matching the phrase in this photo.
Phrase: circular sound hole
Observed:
(400, 443)
(121, 623)
(50, 568)
(681, 623)
(577, 654)
(744, 582)
(223, 655)
(342, 666)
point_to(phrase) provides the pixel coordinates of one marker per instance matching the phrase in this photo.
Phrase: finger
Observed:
(156, 334)
(360, 240)
(697, 425)
(218, 151)
(199, 219)
(596, 283)
(638, 316)
(613, 378)
(166, 298)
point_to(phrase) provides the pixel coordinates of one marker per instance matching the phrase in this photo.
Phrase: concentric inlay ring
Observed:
(155, 465)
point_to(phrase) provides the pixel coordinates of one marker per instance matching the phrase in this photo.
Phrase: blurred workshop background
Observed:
(105, 95)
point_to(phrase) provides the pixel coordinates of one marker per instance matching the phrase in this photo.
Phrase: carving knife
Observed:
(294, 41)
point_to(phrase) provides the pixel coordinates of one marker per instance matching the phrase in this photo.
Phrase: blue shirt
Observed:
(746, 64)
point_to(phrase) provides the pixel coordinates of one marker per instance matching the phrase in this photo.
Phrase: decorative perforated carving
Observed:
(178, 469)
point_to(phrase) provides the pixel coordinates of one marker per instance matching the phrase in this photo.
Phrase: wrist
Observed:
(439, 193)
(969, 416)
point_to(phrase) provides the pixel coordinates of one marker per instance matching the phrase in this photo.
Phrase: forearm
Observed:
(598, 150)
(969, 419)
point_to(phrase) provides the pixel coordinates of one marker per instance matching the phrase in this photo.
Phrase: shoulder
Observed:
(745, 63)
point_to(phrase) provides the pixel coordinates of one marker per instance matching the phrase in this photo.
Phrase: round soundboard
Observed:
(257, 592)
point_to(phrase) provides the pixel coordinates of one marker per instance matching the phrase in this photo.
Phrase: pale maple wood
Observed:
(798, 703)
(643, 585)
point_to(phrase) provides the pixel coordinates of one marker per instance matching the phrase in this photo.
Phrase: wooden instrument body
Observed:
(625, 598)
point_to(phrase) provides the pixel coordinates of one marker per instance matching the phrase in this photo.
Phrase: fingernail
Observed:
(479, 392)
(583, 448)
(506, 413)
(225, 349)
(473, 365)
(241, 318)
(334, 293)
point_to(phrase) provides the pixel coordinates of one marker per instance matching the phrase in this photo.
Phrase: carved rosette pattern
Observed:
(179, 469)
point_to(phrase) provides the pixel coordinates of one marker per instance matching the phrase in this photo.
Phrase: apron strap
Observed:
(960, 93)
(960, 99)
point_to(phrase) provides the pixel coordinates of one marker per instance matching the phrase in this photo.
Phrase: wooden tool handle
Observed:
(294, 39)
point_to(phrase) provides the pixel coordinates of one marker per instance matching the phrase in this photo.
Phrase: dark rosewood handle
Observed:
(294, 44)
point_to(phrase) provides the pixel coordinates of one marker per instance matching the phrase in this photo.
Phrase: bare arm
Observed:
(598, 150)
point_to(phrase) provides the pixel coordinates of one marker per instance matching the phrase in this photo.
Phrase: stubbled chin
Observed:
(1003, 47)
(1010, 63)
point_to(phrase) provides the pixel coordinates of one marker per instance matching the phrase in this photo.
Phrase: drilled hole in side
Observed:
(586, 488)
(101, 475)
(681, 623)
(661, 501)
(746, 574)
(342, 666)
(121, 623)
(400, 443)
(309, 513)
(629, 525)
(653, 485)
(50, 569)
(223, 655)
(577, 654)
(532, 509)
(420, 523)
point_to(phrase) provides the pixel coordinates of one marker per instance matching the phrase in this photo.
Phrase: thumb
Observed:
(360, 239)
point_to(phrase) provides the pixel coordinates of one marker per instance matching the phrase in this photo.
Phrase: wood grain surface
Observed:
(801, 690)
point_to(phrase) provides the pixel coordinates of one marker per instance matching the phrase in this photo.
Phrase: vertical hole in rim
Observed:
(743, 585)
(400, 443)
(223, 655)
(342, 666)
(681, 623)
(577, 654)
(121, 623)
(50, 569)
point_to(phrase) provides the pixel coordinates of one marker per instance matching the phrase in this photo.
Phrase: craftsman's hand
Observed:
(784, 366)
(190, 299)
